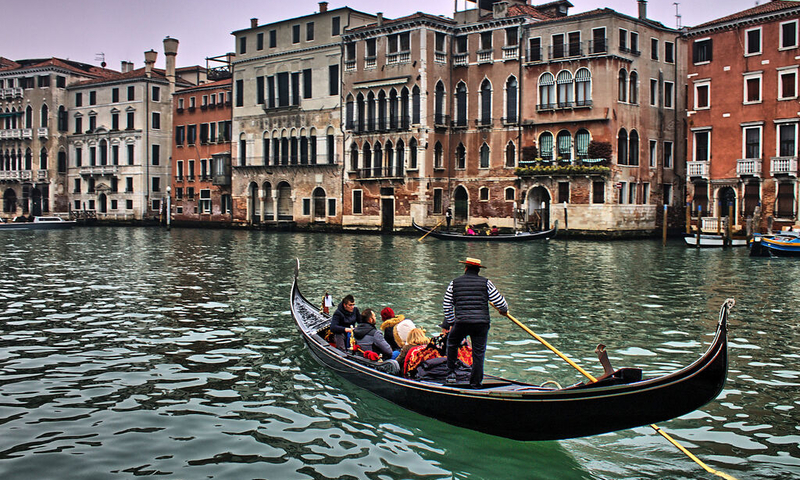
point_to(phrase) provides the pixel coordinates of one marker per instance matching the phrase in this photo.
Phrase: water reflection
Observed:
(144, 352)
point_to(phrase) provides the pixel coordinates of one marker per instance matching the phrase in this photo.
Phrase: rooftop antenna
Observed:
(102, 57)
(677, 16)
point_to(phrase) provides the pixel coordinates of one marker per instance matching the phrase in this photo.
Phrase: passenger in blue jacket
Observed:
(342, 321)
(466, 314)
(369, 338)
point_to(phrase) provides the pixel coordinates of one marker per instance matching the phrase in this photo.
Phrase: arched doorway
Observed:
(9, 201)
(36, 202)
(460, 205)
(253, 203)
(538, 212)
(102, 201)
(319, 205)
(727, 198)
(285, 206)
(269, 206)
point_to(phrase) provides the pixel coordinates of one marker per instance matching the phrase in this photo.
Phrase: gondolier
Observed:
(466, 314)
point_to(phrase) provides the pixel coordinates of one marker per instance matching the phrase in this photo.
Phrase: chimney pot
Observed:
(323, 7)
(642, 9)
(253, 22)
(380, 18)
(149, 60)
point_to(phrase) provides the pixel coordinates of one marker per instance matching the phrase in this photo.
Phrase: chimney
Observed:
(253, 22)
(642, 9)
(149, 60)
(126, 67)
(380, 18)
(323, 7)
(171, 50)
(500, 10)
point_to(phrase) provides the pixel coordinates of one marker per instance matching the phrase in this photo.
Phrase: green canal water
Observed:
(127, 352)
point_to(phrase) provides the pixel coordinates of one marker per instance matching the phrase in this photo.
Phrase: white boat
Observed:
(708, 240)
(38, 223)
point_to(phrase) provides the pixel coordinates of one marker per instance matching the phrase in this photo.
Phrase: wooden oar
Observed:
(593, 379)
(431, 230)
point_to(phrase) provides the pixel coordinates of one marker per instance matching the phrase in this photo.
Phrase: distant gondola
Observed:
(514, 237)
(523, 411)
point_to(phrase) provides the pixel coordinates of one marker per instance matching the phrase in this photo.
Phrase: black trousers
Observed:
(478, 334)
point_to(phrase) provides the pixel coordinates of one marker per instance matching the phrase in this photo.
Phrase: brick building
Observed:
(743, 116)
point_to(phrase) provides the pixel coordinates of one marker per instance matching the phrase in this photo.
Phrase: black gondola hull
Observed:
(528, 412)
(519, 237)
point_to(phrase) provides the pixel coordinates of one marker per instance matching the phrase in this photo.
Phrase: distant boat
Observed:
(707, 240)
(783, 244)
(508, 237)
(38, 223)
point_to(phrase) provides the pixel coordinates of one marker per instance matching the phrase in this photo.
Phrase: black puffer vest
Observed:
(471, 298)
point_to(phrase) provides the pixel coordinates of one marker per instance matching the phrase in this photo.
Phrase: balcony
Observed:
(349, 65)
(42, 175)
(783, 166)
(370, 63)
(510, 52)
(510, 120)
(18, 175)
(484, 122)
(440, 57)
(542, 107)
(395, 58)
(697, 169)
(27, 133)
(178, 178)
(380, 173)
(486, 56)
(746, 167)
(100, 170)
(16, 133)
(461, 59)
(460, 123)
(41, 132)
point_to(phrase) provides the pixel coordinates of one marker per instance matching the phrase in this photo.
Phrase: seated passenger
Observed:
(470, 231)
(495, 230)
(342, 321)
(416, 338)
(368, 338)
(395, 328)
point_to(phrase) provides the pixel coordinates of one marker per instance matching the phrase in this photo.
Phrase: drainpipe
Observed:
(149, 60)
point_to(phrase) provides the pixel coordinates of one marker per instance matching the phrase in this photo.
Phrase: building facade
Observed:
(34, 124)
(743, 117)
(286, 152)
(201, 154)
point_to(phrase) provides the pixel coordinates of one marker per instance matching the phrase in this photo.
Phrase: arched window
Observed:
(438, 155)
(43, 159)
(366, 168)
(389, 170)
(412, 153)
(265, 147)
(622, 147)
(381, 110)
(28, 117)
(400, 158)
(371, 112)
(582, 144)
(483, 194)
(633, 83)
(510, 194)
(623, 85)
(546, 146)
(633, 150)
(377, 159)
(511, 154)
(461, 104)
(461, 157)
(564, 82)
(349, 113)
(438, 107)
(511, 100)
(583, 88)
(485, 154)
(486, 102)
(415, 105)
(360, 125)
(28, 159)
(242, 150)
(404, 109)
(284, 149)
(547, 91)
(353, 157)
(393, 109)
(45, 116)
(564, 141)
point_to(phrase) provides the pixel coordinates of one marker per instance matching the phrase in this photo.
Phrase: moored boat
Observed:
(510, 237)
(782, 244)
(525, 411)
(709, 240)
(38, 223)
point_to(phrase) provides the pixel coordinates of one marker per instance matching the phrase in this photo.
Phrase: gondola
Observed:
(515, 237)
(523, 411)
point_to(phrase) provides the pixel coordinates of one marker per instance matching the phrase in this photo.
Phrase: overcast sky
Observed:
(124, 29)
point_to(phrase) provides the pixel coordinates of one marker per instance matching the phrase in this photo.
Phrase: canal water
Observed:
(138, 351)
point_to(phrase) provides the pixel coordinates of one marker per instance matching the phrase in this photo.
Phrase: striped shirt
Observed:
(494, 297)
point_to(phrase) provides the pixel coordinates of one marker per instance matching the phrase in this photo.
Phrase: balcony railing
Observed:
(41, 132)
(511, 52)
(697, 169)
(783, 166)
(27, 133)
(395, 58)
(99, 170)
(545, 106)
(349, 65)
(20, 175)
(440, 57)
(370, 63)
(379, 173)
(486, 56)
(461, 59)
(598, 46)
(748, 167)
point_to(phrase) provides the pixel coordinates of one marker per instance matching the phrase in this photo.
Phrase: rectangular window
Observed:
(283, 89)
(653, 92)
(295, 33)
(563, 192)
(787, 140)
(156, 91)
(669, 52)
(667, 188)
(191, 134)
(295, 88)
(61, 82)
(574, 44)
(270, 92)
(752, 88)
(93, 98)
(669, 94)
(702, 146)
(654, 49)
(702, 95)
(203, 133)
(306, 206)
(440, 42)
(240, 93)
(114, 157)
(205, 201)
(486, 40)
(77, 186)
(192, 103)
(78, 99)
(331, 207)
(78, 125)
(701, 51)
(130, 158)
(512, 37)
(156, 183)
(260, 41)
(179, 170)
(667, 154)
(653, 153)
(131, 93)
(156, 157)
(535, 49)
(309, 31)
(623, 40)
(599, 40)
(787, 84)
(333, 80)
(622, 191)
(357, 207)
(156, 121)
(634, 37)
(599, 191)
(335, 26)
(78, 157)
(558, 45)
(260, 90)
(307, 81)
(788, 35)
(242, 45)
(115, 95)
(273, 38)
(129, 117)
(752, 41)
(752, 142)
(460, 44)
(437, 200)
(128, 184)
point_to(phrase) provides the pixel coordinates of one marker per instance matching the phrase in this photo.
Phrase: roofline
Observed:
(298, 19)
(755, 18)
